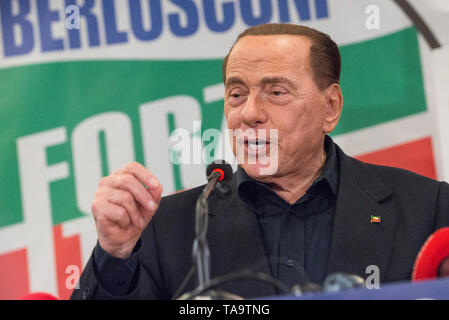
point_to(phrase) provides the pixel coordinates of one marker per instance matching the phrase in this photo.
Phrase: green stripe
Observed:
(381, 81)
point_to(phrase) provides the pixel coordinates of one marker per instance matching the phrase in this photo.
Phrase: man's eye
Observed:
(277, 91)
(236, 94)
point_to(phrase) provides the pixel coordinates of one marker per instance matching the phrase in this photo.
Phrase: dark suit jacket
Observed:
(411, 207)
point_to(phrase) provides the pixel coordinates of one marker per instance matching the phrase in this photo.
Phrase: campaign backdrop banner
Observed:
(87, 86)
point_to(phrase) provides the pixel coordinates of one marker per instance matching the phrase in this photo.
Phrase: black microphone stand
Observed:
(201, 253)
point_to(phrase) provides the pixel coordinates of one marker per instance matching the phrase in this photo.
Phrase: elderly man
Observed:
(320, 212)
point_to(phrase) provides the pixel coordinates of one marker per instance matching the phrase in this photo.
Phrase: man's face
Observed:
(269, 85)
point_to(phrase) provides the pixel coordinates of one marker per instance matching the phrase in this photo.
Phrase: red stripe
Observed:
(67, 252)
(14, 280)
(416, 156)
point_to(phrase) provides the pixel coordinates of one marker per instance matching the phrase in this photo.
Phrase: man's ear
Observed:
(334, 106)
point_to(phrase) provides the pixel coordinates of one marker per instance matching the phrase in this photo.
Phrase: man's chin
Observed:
(259, 171)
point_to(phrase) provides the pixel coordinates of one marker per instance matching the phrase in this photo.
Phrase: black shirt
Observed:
(297, 236)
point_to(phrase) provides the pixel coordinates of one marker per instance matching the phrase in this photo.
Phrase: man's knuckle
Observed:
(100, 219)
(103, 181)
(128, 198)
(136, 164)
(126, 179)
(95, 206)
(131, 166)
(127, 166)
(120, 180)
(121, 212)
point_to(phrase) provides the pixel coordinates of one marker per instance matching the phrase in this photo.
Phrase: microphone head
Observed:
(431, 255)
(342, 281)
(306, 288)
(221, 167)
(39, 296)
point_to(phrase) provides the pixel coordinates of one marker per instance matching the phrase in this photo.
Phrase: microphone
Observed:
(39, 296)
(221, 167)
(333, 283)
(340, 281)
(218, 174)
(432, 259)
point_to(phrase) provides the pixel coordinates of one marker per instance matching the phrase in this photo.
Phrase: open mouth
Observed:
(255, 146)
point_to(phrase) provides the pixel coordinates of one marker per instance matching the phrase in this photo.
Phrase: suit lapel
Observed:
(236, 243)
(356, 242)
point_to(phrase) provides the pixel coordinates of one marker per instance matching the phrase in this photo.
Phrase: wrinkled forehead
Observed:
(270, 52)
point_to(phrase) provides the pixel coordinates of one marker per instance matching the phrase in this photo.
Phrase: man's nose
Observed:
(253, 112)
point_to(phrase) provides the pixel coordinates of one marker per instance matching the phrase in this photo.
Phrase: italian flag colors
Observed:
(383, 91)
(375, 219)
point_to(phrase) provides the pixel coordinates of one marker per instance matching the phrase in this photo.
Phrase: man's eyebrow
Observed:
(278, 80)
(265, 81)
(234, 81)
